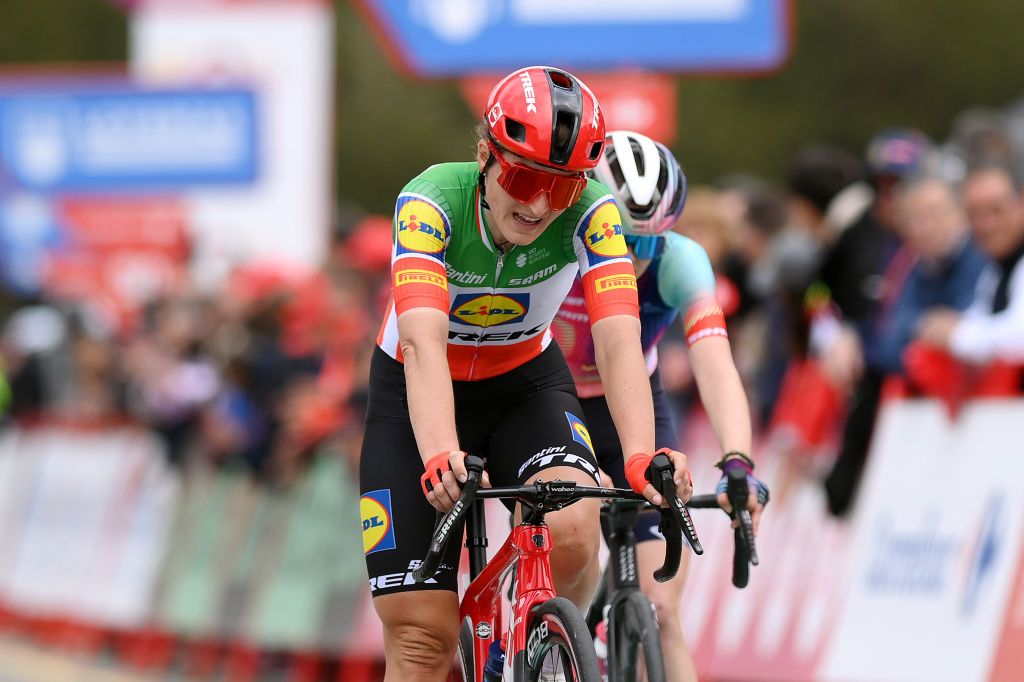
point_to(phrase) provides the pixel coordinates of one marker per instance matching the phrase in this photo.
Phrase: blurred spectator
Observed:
(993, 327)
(934, 230)
(862, 273)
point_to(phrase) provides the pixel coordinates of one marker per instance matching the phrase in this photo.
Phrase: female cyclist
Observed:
(673, 276)
(483, 255)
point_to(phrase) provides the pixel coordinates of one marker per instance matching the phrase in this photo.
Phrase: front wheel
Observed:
(558, 645)
(634, 641)
(464, 664)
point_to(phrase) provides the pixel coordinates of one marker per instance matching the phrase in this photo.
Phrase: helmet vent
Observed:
(563, 136)
(595, 151)
(560, 79)
(515, 130)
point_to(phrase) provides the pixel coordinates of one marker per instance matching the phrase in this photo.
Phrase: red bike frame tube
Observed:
(526, 551)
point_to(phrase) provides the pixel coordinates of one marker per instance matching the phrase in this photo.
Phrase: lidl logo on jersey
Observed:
(489, 310)
(602, 233)
(378, 528)
(422, 226)
(580, 434)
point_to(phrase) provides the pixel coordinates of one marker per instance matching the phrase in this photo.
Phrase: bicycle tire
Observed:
(464, 663)
(558, 634)
(632, 629)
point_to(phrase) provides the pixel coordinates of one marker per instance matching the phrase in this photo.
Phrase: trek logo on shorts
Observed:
(422, 226)
(378, 527)
(579, 431)
(602, 235)
(489, 310)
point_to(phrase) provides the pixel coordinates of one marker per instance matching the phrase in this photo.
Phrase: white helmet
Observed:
(645, 180)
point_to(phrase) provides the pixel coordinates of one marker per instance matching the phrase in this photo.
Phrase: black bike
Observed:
(632, 626)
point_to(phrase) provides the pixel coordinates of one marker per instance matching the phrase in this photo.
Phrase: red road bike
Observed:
(544, 636)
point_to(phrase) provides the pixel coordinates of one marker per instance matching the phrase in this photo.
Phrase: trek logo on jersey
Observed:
(422, 226)
(378, 528)
(489, 310)
(416, 276)
(610, 282)
(602, 235)
(580, 434)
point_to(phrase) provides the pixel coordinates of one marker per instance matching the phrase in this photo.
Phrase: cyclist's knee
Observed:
(420, 631)
(576, 535)
(425, 646)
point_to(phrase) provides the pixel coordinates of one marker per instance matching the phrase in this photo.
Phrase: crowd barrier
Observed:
(925, 582)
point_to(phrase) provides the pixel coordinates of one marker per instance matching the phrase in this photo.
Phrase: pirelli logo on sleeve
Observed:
(417, 276)
(609, 282)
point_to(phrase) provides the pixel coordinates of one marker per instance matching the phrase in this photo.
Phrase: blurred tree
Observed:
(855, 67)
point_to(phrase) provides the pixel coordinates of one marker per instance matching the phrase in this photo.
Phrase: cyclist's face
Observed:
(513, 221)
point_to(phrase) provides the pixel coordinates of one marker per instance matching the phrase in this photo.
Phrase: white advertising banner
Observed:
(86, 533)
(936, 545)
(284, 50)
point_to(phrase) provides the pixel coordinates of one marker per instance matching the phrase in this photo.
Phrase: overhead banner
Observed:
(80, 137)
(444, 38)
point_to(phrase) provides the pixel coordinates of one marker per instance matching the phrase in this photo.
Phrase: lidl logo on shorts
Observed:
(422, 226)
(489, 310)
(603, 233)
(378, 527)
(579, 431)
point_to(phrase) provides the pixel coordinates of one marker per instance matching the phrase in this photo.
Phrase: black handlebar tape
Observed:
(451, 521)
(739, 493)
(660, 473)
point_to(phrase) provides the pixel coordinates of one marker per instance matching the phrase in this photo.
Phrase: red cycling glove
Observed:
(435, 468)
(638, 466)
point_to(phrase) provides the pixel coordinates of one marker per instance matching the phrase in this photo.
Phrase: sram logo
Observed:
(528, 93)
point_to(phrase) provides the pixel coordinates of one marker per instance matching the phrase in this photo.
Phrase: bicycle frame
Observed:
(525, 551)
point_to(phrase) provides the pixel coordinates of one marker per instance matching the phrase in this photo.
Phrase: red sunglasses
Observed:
(524, 183)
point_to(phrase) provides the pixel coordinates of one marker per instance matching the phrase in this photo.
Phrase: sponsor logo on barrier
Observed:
(580, 434)
(489, 310)
(378, 529)
(615, 282)
(603, 236)
(416, 276)
(910, 561)
(984, 554)
(421, 226)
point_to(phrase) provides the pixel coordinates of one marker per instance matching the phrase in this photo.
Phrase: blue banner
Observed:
(458, 37)
(83, 138)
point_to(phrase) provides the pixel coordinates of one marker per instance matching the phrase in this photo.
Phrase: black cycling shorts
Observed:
(522, 422)
(609, 450)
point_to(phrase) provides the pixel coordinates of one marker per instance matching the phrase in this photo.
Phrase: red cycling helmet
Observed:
(547, 116)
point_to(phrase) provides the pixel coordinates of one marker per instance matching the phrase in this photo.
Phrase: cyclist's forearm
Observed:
(721, 392)
(428, 383)
(626, 384)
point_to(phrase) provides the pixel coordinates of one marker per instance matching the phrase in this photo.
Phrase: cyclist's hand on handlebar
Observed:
(638, 466)
(442, 481)
(756, 499)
